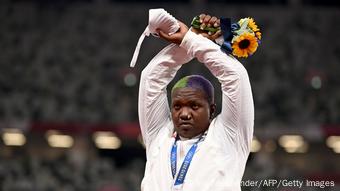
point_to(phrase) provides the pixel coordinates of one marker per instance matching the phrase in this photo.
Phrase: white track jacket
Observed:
(219, 161)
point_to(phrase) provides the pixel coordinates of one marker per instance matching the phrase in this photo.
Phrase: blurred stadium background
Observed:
(68, 99)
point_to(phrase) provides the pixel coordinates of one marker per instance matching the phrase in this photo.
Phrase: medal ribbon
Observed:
(186, 163)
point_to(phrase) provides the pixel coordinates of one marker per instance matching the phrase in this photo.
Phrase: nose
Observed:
(185, 114)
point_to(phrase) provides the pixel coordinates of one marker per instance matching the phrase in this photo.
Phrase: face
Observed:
(191, 112)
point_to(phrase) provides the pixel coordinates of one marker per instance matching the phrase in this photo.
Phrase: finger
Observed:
(216, 35)
(212, 21)
(211, 33)
(206, 19)
(217, 23)
(163, 35)
(202, 26)
(202, 17)
(182, 26)
(183, 29)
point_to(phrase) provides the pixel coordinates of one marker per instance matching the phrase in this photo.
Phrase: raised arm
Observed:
(237, 113)
(153, 108)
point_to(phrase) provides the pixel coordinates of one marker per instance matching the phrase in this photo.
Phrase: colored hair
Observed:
(196, 82)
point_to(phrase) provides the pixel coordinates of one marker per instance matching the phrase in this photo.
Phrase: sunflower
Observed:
(252, 25)
(258, 35)
(241, 21)
(244, 45)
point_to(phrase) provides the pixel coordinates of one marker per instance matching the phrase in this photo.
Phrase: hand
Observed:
(176, 37)
(208, 21)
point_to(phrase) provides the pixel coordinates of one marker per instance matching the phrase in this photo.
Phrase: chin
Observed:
(185, 134)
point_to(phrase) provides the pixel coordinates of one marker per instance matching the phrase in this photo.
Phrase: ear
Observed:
(212, 110)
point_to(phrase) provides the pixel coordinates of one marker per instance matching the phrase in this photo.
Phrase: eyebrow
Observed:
(189, 101)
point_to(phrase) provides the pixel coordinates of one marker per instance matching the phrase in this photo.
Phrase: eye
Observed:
(195, 106)
(176, 107)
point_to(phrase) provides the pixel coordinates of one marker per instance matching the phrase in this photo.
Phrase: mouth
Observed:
(185, 129)
(185, 125)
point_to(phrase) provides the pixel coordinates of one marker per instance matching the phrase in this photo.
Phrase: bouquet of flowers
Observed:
(241, 39)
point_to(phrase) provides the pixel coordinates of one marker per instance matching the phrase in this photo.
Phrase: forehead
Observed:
(187, 93)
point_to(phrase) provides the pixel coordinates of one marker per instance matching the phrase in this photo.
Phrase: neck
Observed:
(195, 137)
(185, 139)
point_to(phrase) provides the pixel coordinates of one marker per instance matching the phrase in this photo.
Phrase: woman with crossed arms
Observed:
(188, 147)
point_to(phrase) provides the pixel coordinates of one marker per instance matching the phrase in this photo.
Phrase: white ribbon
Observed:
(139, 43)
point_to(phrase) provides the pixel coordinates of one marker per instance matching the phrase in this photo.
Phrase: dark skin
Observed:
(191, 112)
(190, 109)
(206, 20)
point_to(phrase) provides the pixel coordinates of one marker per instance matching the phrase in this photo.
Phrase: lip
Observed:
(185, 125)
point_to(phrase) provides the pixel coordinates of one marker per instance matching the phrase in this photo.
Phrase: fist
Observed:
(208, 21)
(176, 37)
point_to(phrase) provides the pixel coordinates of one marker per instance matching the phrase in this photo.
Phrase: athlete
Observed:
(188, 146)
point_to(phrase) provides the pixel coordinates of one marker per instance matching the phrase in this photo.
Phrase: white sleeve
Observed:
(237, 113)
(153, 108)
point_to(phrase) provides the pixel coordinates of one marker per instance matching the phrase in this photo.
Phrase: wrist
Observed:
(187, 39)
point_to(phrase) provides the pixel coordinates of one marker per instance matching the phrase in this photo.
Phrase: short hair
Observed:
(196, 82)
